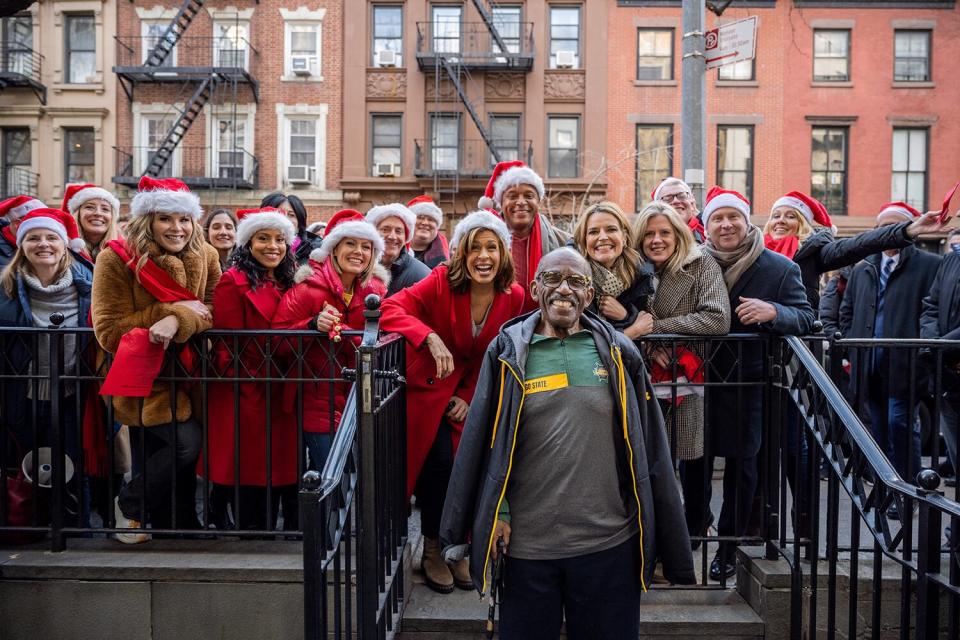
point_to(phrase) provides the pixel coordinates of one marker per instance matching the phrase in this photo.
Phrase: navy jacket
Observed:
(406, 271)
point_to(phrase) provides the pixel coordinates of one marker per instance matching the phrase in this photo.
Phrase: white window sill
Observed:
(737, 83)
(301, 79)
(654, 83)
(832, 85)
(913, 85)
(94, 86)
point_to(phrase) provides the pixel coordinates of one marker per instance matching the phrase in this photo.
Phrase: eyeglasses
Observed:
(554, 279)
(683, 196)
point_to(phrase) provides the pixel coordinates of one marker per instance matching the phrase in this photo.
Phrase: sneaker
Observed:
(123, 522)
(719, 567)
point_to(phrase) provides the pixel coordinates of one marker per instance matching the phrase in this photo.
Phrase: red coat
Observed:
(428, 307)
(318, 285)
(237, 306)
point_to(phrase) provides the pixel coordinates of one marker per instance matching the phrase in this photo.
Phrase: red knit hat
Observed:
(18, 206)
(60, 222)
(76, 194)
(718, 198)
(347, 223)
(425, 206)
(810, 208)
(506, 175)
(249, 221)
(900, 208)
(167, 195)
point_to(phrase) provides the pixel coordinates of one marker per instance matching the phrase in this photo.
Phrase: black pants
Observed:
(252, 509)
(153, 448)
(739, 487)
(597, 593)
(431, 488)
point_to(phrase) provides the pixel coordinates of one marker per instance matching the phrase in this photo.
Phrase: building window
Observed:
(654, 54)
(828, 168)
(17, 178)
(388, 32)
(505, 131)
(831, 55)
(446, 28)
(152, 33)
(79, 162)
(303, 150)
(81, 50)
(654, 157)
(231, 44)
(743, 70)
(564, 149)
(444, 142)
(735, 159)
(909, 182)
(564, 37)
(303, 49)
(386, 138)
(154, 129)
(18, 46)
(231, 144)
(506, 19)
(911, 62)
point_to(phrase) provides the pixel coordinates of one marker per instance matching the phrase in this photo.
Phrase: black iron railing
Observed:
(16, 181)
(227, 55)
(472, 44)
(466, 158)
(200, 167)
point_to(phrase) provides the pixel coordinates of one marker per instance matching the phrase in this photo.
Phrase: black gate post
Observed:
(313, 554)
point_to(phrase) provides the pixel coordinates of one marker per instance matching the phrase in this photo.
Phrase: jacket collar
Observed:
(519, 334)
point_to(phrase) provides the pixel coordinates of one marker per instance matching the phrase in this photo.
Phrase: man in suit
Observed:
(766, 296)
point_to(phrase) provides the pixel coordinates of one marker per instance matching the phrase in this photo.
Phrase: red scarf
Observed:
(534, 253)
(785, 246)
(154, 279)
(696, 227)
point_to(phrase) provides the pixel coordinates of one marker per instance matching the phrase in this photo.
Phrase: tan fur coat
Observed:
(120, 304)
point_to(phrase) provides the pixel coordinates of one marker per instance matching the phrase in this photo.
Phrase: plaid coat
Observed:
(692, 300)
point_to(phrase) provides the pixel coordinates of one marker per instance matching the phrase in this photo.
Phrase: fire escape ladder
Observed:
(178, 25)
(182, 124)
(487, 18)
(454, 75)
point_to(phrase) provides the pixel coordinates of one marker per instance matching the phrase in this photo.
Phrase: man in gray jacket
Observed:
(564, 429)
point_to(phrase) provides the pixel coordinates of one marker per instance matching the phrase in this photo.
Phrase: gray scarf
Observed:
(58, 297)
(734, 263)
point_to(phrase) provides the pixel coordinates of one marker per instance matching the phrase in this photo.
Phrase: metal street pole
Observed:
(693, 99)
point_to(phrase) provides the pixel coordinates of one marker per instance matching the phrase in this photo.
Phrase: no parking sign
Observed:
(731, 42)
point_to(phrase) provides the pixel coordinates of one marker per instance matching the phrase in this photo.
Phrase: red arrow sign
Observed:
(732, 54)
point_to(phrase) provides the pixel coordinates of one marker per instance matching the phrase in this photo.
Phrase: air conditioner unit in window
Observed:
(300, 65)
(566, 59)
(386, 58)
(386, 170)
(299, 174)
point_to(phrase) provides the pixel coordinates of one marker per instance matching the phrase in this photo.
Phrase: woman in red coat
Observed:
(449, 318)
(328, 297)
(247, 297)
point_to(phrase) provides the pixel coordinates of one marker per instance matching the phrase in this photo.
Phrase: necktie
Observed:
(885, 272)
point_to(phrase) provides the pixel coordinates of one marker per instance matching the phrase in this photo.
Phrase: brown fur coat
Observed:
(120, 304)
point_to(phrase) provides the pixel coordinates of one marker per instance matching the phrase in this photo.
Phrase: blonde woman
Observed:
(623, 281)
(97, 211)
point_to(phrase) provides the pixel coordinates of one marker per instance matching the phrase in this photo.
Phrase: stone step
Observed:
(673, 613)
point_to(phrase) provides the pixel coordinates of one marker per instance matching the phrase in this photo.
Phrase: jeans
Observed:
(318, 444)
(597, 593)
(895, 426)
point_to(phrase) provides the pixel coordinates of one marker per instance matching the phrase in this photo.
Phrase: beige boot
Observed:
(461, 574)
(436, 573)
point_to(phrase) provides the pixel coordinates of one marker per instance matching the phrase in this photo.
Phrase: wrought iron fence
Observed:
(466, 158)
(202, 167)
(190, 52)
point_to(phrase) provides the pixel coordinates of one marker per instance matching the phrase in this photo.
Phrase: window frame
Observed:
(373, 33)
(373, 134)
(641, 192)
(142, 136)
(435, 116)
(518, 140)
(833, 208)
(929, 58)
(753, 72)
(67, 133)
(26, 51)
(217, 62)
(508, 40)
(69, 51)
(750, 170)
(578, 148)
(289, 27)
(673, 44)
(145, 25)
(828, 79)
(6, 189)
(551, 56)
(433, 31)
(926, 166)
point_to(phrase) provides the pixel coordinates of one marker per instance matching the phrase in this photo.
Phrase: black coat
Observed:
(908, 285)
(309, 242)
(406, 271)
(634, 299)
(941, 308)
(735, 414)
(830, 302)
(821, 252)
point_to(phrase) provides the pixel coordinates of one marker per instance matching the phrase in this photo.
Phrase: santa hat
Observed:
(425, 206)
(480, 220)
(718, 198)
(809, 208)
(506, 175)
(76, 194)
(655, 194)
(252, 220)
(60, 222)
(167, 195)
(900, 208)
(347, 223)
(18, 206)
(376, 215)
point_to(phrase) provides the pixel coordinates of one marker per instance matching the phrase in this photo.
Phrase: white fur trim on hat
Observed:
(480, 220)
(428, 209)
(91, 193)
(722, 201)
(352, 229)
(166, 202)
(794, 203)
(253, 222)
(41, 222)
(900, 211)
(666, 182)
(16, 213)
(378, 214)
(514, 176)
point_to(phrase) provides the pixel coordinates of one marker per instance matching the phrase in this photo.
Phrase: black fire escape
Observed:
(451, 53)
(204, 70)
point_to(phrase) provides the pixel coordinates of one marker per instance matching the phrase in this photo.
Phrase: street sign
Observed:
(731, 42)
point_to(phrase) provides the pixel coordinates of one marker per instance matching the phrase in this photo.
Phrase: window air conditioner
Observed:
(300, 65)
(386, 170)
(566, 59)
(299, 174)
(386, 58)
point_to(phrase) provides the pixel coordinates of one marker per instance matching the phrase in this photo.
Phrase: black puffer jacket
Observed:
(406, 271)
(481, 468)
(635, 299)
(310, 242)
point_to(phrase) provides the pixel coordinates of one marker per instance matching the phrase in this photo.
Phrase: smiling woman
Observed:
(96, 211)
